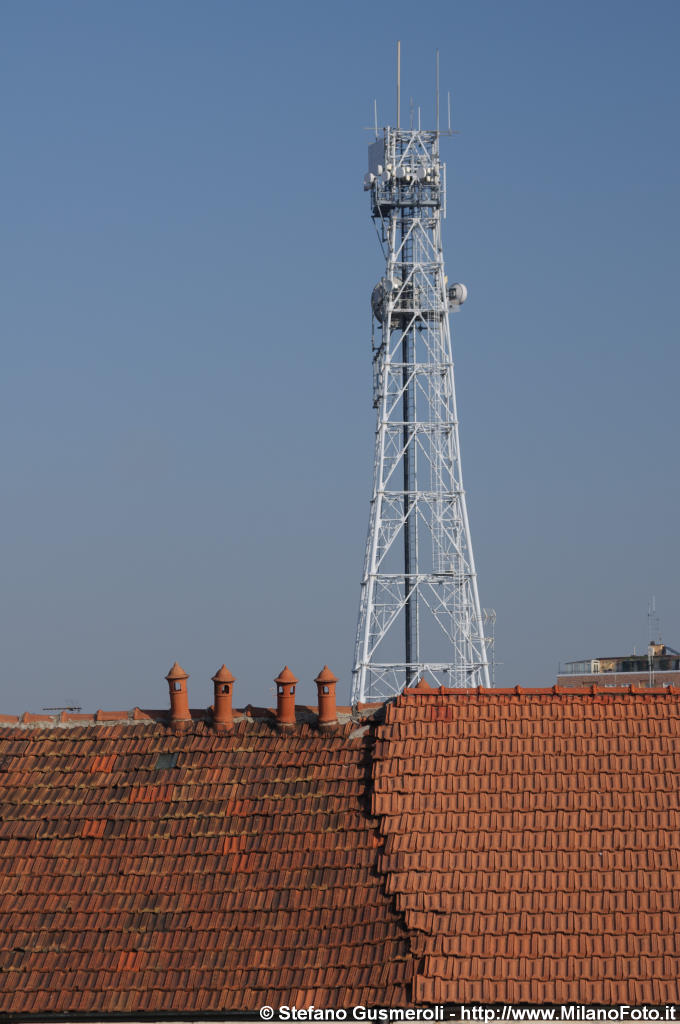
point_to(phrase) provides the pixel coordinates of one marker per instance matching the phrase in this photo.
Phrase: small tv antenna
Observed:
(652, 632)
(489, 615)
(653, 624)
(73, 708)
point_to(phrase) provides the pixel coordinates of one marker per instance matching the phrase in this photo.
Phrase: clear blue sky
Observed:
(187, 262)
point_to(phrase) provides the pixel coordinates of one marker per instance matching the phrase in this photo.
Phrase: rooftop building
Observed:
(659, 665)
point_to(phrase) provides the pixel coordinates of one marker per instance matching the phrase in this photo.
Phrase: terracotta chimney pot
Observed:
(285, 699)
(222, 715)
(325, 682)
(179, 698)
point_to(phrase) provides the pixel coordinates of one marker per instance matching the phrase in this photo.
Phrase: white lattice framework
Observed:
(419, 612)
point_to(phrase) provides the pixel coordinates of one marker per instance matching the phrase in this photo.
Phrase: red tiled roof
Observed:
(523, 847)
(531, 841)
(244, 875)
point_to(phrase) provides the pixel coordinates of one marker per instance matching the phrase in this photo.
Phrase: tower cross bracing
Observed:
(419, 609)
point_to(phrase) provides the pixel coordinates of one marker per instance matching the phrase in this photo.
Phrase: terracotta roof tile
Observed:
(135, 886)
(521, 846)
(530, 839)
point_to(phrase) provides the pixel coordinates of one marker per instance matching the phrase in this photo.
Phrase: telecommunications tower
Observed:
(419, 611)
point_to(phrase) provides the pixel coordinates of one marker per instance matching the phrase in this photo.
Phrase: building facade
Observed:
(658, 666)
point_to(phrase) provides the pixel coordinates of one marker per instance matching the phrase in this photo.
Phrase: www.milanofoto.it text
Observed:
(570, 1011)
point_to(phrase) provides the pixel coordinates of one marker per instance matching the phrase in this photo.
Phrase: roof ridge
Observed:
(144, 716)
(557, 690)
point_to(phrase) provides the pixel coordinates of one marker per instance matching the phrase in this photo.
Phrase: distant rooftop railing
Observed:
(637, 666)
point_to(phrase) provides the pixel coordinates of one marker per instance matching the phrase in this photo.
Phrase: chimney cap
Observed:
(422, 686)
(286, 676)
(326, 676)
(176, 672)
(223, 675)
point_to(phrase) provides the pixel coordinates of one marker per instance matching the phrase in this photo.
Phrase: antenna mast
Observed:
(419, 611)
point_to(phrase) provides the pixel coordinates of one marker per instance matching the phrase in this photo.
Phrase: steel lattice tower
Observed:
(419, 611)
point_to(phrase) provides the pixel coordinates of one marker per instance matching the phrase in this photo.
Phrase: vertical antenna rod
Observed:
(436, 75)
(398, 83)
